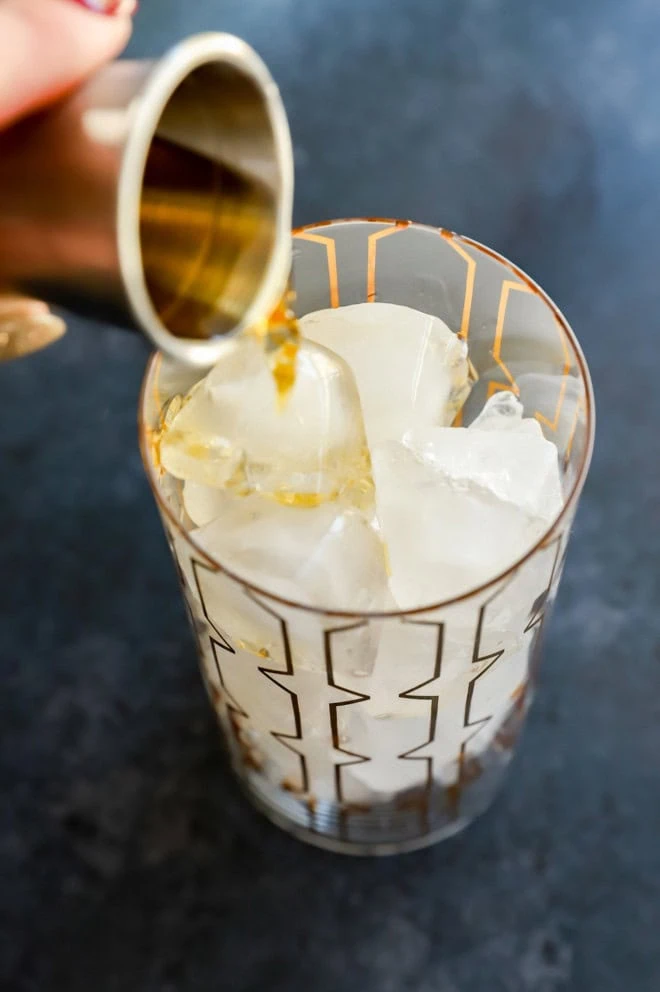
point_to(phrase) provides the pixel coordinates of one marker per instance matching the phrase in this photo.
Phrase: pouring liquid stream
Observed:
(280, 334)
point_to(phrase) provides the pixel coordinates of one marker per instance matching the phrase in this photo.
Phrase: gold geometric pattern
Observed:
(356, 697)
(288, 672)
(508, 286)
(464, 330)
(345, 809)
(554, 423)
(371, 256)
(331, 252)
(239, 719)
(471, 263)
(538, 611)
(579, 408)
(195, 567)
(413, 693)
(235, 713)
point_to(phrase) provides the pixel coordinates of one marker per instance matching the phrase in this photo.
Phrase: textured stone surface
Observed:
(129, 860)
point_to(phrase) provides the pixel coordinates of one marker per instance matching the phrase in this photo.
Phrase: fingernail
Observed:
(113, 8)
(25, 335)
(12, 307)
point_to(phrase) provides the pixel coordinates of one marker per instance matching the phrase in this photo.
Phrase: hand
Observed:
(46, 48)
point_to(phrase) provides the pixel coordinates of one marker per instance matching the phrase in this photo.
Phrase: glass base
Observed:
(405, 823)
(356, 849)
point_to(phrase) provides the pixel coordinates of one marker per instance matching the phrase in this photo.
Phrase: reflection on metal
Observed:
(158, 195)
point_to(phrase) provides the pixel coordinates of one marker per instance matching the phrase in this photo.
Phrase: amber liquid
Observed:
(281, 336)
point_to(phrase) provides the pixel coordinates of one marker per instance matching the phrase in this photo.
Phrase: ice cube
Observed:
(234, 430)
(202, 503)
(504, 412)
(323, 556)
(515, 465)
(457, 506)
(411, 370)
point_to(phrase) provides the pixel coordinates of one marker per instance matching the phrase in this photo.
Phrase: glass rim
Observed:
(153, 365)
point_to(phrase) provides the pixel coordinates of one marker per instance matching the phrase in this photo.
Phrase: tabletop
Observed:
(129, 858)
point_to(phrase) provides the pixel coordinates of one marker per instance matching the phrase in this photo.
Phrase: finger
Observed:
(21, 306)
(24, 333)
(110, 7)
(48, 46)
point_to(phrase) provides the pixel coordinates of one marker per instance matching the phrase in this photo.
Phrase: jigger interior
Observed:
(207, 175)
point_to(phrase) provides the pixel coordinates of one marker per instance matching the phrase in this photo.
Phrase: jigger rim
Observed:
(497, 582)
(168, 74)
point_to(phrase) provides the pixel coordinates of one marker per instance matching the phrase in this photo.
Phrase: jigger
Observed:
(157, 195)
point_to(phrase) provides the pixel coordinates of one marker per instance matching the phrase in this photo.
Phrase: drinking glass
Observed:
(375, 733)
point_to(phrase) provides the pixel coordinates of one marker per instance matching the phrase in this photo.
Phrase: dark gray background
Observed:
(129, 859)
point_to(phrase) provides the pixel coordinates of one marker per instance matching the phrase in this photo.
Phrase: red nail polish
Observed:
(124, 8)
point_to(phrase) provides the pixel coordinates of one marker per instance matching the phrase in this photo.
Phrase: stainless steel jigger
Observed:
(158, 195)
